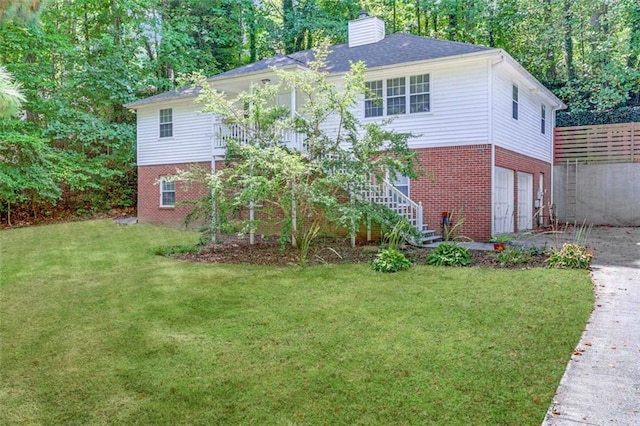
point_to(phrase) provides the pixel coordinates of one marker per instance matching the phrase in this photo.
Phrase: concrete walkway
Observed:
(602, 385)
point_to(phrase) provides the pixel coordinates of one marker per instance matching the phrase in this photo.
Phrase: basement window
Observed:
(167, 193)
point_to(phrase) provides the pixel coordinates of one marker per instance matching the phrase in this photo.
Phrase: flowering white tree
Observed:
(299, 190)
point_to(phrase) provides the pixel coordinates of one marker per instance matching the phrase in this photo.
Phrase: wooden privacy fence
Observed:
(609, 143)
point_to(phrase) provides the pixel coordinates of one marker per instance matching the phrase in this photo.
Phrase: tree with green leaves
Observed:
(322, 178)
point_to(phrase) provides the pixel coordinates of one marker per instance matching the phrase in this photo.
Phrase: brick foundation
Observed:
(458, 180)
(149, 210)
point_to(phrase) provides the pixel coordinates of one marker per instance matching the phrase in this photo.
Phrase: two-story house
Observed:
(483, 126)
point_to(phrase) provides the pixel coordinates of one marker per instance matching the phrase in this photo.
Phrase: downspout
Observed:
(491, 141)
(552, 155)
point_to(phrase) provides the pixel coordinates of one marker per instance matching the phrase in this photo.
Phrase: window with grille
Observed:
(419, 93)
(167, 193)
(373, 99)
(395, 96)
(166, 123)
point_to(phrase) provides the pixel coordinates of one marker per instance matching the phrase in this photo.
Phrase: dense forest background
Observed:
(71, 149)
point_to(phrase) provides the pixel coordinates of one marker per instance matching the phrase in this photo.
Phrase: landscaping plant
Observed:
(449, 255)
(570, 256)
(511, 256)
(390, 260)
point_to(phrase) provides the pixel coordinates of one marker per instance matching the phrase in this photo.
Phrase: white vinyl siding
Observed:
(191, 141)
(457, 111)
(522, 135)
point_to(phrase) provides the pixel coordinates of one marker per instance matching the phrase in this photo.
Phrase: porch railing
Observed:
(223, 133)
(386, 194)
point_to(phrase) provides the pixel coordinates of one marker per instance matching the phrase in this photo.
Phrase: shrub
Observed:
(570, 256)
(513, 256)
(449, 255)
(390, 260)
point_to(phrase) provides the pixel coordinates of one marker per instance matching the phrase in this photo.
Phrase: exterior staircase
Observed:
(386, 194)
(383, 192)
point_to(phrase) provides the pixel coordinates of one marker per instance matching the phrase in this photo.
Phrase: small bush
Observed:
(449, 255)
(390, 260)
(570, 256)
(513, 256)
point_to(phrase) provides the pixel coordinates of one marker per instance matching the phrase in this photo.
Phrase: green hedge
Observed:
(586, 118)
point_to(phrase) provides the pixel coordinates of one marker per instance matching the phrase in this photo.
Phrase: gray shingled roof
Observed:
(392, 50)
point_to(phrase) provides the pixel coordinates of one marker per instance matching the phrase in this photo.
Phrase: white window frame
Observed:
(417, 84)
(374, 99)
(166, 123)
(399, 182)
(396, 90)
(167, 187)
(415, 90)
(543, 118)
(514, 101)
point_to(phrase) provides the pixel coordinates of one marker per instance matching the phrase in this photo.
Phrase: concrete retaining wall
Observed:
(605, 194)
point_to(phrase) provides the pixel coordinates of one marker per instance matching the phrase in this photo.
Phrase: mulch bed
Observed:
(268, 251)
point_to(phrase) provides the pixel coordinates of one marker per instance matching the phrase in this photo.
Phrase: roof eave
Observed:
(557, 103)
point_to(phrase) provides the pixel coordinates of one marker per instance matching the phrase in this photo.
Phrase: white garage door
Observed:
(525, 201)
(503, 201)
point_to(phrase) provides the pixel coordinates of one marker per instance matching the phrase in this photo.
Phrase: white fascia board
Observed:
(556, 103)
(185, 100)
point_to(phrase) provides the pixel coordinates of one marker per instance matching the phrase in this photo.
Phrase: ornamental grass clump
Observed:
(570, 256)
(390, 260)
(449, 255)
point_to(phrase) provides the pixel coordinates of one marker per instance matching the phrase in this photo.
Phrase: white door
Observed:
(503, 201)
(525, 201)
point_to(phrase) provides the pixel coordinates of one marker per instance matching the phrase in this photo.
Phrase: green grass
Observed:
(96, 329)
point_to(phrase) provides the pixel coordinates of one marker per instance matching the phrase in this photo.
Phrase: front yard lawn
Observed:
(96, 329)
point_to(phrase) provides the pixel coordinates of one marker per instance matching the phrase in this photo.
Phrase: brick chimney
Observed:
(365, 30)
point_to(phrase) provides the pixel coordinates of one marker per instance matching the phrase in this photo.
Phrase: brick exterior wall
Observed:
(149, 210)
(458, 181)
(521, 163)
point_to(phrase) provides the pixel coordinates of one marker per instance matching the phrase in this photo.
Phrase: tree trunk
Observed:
(568, 41)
